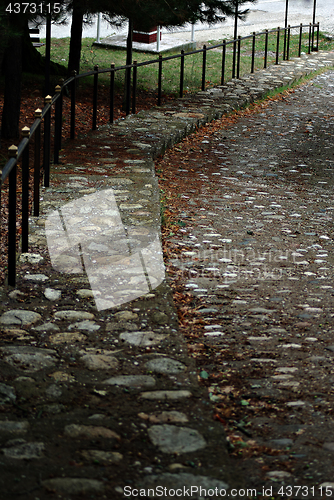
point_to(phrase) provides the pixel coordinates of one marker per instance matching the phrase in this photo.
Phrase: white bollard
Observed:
(192, 33)
(98, 27)
(158, 38)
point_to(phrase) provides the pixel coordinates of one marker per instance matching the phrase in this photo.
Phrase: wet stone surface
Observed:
(97, 393)
(255, 253)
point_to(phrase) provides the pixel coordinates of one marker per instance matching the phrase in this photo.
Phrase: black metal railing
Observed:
(43, 137)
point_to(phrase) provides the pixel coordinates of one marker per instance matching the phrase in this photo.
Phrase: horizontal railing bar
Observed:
(174, 56)
(48, 106)
(21, 147)
(82, 75)
(69, 80)
(12, 162)
(34, 126)
(178, 56)
(8, 168)
(273, 30)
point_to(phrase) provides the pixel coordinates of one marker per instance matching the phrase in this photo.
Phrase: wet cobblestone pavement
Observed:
(101, 395)
(255, 251)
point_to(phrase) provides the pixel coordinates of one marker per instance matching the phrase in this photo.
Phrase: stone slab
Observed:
(173, 439)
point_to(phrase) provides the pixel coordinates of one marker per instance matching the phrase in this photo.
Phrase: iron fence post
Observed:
(112, 92)
(134, 87)
(57, 133)
(128, 91)
(96, 76)
(284, 47)
(12, 152)
(223, 62)
(234, 57)
(317, 49)
(159, 79)
(182, 73)
(265, 50)
(300, 39)
(238, 56)
(0, 201)
(73, 89)
(288, 44)
(47, 142)
(253, 52)
(277, 43)
(203, 68)
(61, 83)
(309, 38)
(37, 160)
(25, 192)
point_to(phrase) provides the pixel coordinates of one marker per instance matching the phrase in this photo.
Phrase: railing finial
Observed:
(12, 151)
(25, 131)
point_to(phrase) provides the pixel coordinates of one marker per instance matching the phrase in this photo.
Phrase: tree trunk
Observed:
(32, 61)
(4, 41)
(12, 65)
(76, 37)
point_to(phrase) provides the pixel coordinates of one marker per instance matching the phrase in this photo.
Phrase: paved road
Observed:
(264, 14)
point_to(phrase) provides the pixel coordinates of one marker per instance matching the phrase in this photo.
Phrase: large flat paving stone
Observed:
(19, 317)
(73, 485)
(25, 451)
(71, 315)
(142, 339)
(29, 359)
(166, 395)
(131, 381)
(173, 439)
(89, 432)
(165, 365)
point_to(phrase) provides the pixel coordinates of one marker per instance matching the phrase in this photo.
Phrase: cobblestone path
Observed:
(255, 252)
(99, 394)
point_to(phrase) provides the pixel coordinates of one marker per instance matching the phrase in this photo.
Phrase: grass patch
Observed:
(148, 75)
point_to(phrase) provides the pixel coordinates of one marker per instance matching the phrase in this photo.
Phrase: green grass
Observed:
(148, 76)
(302, 80)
